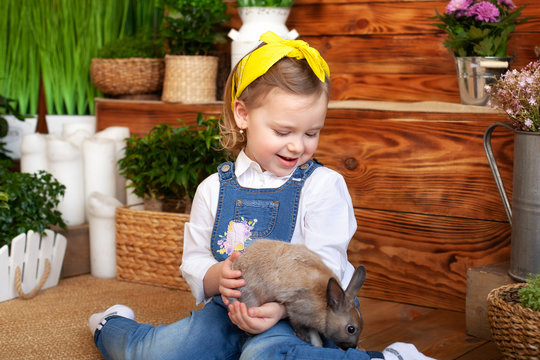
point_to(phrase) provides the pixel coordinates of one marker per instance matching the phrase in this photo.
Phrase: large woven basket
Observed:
(149, 247)
(515, 329)
(130, 76)
(190, 79)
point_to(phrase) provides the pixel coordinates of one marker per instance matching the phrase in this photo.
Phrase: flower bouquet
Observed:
(517, 93)
(479, 27)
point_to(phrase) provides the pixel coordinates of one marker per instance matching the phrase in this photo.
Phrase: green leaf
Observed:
(485, 47)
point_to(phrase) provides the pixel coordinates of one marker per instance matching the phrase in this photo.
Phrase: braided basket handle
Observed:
(35, 290)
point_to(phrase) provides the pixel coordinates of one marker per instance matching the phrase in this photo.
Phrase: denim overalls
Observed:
(243, 216)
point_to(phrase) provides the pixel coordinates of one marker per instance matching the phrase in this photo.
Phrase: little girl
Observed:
(275, 106)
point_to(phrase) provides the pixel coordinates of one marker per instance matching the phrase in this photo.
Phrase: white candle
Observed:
(33, 153)
(65, 164)
(77, 138)
(101, 219)
(69, 129)
(99, 166)
(118, 134)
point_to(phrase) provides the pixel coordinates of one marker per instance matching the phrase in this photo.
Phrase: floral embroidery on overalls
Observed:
(236, 236)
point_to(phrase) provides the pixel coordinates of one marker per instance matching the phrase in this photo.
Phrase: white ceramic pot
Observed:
(16, 130)
(255, 22)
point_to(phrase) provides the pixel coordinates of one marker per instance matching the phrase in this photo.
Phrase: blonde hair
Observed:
(288, 74)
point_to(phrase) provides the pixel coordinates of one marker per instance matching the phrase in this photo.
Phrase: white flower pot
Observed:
(16, 130)
(255, 22)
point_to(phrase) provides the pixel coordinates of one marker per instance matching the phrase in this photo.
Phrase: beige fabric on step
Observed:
(53, 325)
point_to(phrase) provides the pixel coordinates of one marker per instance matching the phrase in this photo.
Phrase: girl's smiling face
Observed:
(283, 131)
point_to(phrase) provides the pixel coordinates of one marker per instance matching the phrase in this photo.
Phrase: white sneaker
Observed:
(97, 320)
(403, 351)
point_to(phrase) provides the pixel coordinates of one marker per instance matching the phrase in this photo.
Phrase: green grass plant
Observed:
(19, 67)
(56, 40)
(69, 34)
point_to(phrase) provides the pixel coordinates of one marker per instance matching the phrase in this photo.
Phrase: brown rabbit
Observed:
(296, 277)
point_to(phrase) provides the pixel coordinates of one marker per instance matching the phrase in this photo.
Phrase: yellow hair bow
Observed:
(257, 63)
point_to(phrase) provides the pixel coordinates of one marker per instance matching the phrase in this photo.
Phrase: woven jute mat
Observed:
(53, 325)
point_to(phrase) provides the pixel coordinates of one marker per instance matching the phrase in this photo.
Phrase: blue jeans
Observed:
(209, 334)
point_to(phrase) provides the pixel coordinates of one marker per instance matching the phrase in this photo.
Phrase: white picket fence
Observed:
(30, 253)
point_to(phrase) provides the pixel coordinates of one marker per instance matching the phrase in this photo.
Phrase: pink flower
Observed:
(518, 94)
(484, 11)
(458, 6)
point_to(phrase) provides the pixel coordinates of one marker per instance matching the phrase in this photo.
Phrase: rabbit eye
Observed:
(351, 329)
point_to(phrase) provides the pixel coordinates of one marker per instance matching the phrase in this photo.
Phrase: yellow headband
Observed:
(257, 63)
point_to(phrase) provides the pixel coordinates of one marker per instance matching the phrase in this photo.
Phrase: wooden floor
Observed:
(436, 333)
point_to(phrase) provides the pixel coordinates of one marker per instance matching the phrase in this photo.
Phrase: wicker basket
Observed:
(149, 247)
(515, 329)
(190, 79)
(130, 76)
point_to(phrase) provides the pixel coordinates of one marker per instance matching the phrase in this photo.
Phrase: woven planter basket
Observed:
(132, 76)
(190, 79)
(515, 329)
(149, 247)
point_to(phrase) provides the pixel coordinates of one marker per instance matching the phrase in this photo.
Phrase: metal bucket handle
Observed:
(495, 169)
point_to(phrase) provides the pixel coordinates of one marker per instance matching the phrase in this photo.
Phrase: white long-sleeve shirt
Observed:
(325, 222)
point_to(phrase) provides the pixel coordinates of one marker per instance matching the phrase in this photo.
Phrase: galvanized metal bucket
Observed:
(474, 73)
(524, 215)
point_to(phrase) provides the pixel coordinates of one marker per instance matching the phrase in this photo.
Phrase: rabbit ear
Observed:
(334, 294)
(357, 280)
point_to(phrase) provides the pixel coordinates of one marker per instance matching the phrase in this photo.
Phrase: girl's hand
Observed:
(256, 320)
(229, 279)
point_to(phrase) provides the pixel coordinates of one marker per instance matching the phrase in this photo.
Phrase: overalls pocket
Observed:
(262, 212)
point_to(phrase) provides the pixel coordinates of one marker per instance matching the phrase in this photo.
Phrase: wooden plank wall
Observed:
(388, 50)
(425, 201)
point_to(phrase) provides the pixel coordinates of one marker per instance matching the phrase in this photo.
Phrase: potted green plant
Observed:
(258, 17)
(192, 31)
(29, 195)
(514, 318)
(168, 163)
(27, 212)
(478, 32)
(129, 66)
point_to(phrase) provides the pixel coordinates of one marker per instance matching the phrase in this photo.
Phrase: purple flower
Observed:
(458, 6)
(508, 3)
(484, 11)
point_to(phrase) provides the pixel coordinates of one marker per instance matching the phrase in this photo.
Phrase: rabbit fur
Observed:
(296, 277)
